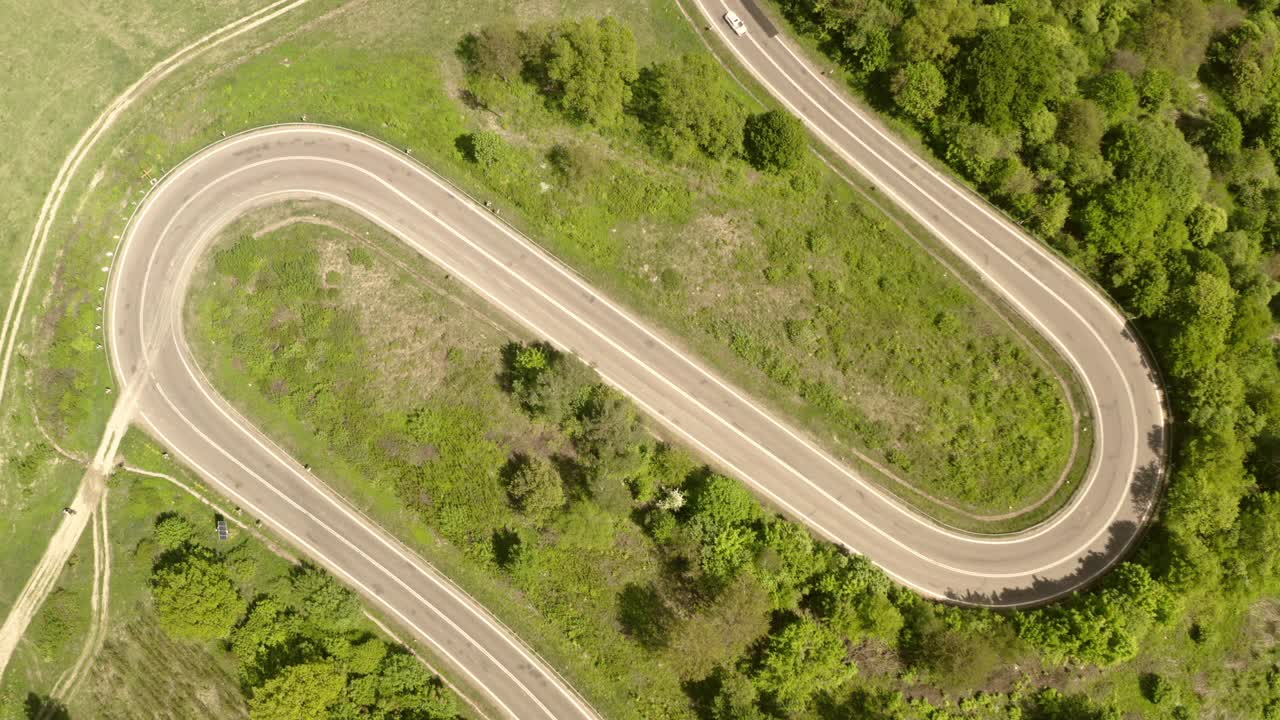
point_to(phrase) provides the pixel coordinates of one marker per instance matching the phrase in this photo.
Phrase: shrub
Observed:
(172, 531)
(536, 488)
(774, 141)
(497, 51)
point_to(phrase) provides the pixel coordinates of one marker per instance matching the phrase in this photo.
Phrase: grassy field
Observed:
(439, 353)
(64, 63)
(842, 321)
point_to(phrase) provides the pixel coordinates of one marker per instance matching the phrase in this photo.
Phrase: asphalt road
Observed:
(176, 403)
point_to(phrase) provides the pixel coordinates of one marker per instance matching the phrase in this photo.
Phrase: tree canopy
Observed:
(589, 67)
(195, 598)
(775, 140)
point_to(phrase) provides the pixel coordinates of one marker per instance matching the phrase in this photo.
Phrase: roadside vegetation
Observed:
(641, 180)
(1189, 627)
(786, 268)
(660, 587)
(64, 62)
(199, 626)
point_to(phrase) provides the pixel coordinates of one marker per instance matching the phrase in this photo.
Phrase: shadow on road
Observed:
(1090, 568)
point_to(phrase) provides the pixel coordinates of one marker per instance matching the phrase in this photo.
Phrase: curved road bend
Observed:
(177, 404)
(1123, 388)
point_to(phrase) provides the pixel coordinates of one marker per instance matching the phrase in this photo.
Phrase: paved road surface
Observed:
(177, 405)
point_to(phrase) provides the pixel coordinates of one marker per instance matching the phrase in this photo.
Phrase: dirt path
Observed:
(91, 492)
(67, 685)
(45, 576)
(53, 201)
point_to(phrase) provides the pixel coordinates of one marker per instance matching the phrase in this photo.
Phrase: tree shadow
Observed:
(465, 144)
(507, 546)
(645, 616)
(1091, 569)
(45, 708)
(1145, 488)
(702, 693)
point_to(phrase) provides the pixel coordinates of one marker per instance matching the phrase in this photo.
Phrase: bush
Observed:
(360, 256)
(497, 50)
(536, 488)
(774, 141)
(484, 148)
(172, 531)
(575, 162)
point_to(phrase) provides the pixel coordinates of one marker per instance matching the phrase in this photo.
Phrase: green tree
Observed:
(775, 141)
(787, 561)
(918, 89)
(1242, 63)
(195, 598)
(1081, 125)
(321, 600)
(172, 531)
(1259, 538)
(853, 597)
(1221, 136)
(1010, 72)
(719, 503)
(1204, 223)
(266, 639)
(1205, 309)
(589, 67)
(736, 699)
(609, 434)
(301, 692)
(720, 630)
(1115, 94)
(802, 659)
(546, 382)
(1102, 627)
(536, 488)
(497, 50)
(973, 149)
(405, 690)
(927, 35)
(685, 104)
